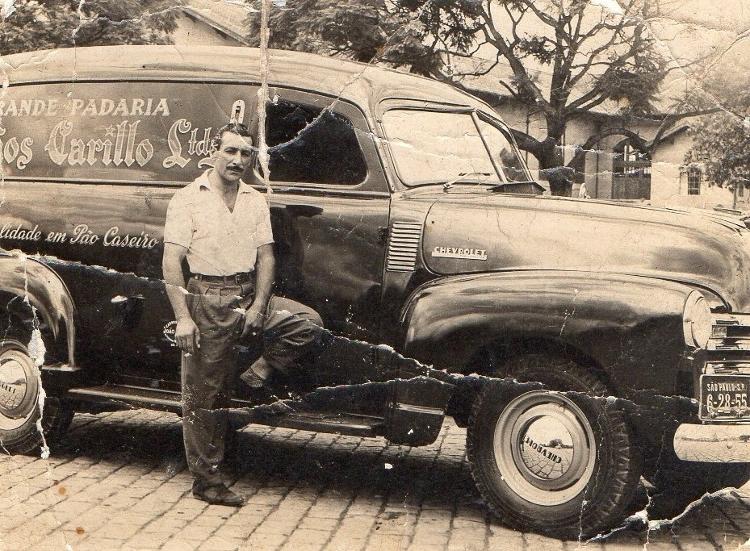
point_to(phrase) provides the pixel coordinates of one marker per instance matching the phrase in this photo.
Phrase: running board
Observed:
(169, 400)
(336, 423)
(131, 395)
(61, 367)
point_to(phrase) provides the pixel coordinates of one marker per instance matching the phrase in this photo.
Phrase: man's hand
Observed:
(187, 335)
(254, 317)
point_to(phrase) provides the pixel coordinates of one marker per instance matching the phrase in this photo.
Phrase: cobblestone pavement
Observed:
(120, 482)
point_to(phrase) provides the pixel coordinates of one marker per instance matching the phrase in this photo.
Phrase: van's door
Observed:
(329, 206)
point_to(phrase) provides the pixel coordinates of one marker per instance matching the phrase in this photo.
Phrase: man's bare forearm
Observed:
(265, 267)
(175, 285)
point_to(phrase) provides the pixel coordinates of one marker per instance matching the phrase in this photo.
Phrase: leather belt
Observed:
(234, 279)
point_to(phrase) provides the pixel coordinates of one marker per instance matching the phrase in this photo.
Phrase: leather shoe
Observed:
(219, 495)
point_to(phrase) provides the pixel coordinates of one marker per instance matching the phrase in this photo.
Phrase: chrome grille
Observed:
(403, 247)
(730, 332)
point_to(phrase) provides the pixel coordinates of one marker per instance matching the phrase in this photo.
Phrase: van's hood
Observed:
(471, 231)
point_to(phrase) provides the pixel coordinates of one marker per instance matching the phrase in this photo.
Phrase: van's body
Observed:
(404, 214)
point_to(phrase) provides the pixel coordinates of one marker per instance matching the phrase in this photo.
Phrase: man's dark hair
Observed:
(233, 127)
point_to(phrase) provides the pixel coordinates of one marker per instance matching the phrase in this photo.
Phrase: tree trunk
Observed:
(552, 167)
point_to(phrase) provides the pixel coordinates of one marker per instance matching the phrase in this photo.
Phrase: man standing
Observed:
(222, 227)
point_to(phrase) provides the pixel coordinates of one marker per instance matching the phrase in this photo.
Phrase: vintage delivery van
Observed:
(404, 214)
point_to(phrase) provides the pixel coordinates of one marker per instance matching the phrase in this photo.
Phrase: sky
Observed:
(697, 27)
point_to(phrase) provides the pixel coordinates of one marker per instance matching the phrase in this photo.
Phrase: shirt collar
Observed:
(204, 182)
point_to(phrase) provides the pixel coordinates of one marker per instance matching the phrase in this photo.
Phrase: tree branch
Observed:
(519, 71)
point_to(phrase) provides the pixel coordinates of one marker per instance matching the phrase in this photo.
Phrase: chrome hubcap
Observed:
(18, 388)
(544, 447)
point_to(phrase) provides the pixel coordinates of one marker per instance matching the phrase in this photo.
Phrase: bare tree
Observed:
(590, 55)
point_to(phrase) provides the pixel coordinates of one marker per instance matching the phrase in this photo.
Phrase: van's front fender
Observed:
(39, 286)
(631, 327)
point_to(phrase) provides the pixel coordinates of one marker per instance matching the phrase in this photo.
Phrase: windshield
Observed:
(503, 152)
(438, 146)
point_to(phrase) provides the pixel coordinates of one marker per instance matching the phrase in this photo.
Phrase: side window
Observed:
(307, 144)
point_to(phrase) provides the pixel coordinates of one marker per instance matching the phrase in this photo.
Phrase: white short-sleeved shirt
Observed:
(219, 242)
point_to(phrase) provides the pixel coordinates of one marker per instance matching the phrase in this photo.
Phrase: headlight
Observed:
(697, 321)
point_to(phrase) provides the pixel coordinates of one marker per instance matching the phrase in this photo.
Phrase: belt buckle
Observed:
(237, 279)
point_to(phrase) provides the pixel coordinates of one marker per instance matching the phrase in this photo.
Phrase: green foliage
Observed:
(36, 25)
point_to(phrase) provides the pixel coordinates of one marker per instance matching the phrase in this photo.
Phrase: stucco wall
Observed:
(668, 173)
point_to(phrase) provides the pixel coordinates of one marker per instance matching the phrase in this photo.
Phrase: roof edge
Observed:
(196, 14)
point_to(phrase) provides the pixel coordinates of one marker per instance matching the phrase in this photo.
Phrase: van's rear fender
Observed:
(47, 299)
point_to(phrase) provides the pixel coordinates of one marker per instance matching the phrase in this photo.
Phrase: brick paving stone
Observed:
(387, 543)
(424, 547)
(357, 526)
(99, 544)
(265, 541)
(342, 542)
(109, 490)
(148, 539)
(535, 541)
(430, 538)
(250, 520)
(90, 521)
(237, 530)
(121, 531)
(195, 532)
(321, 524)
(221, 543)
(395, 527)
(303, 536)
(275, 528)
(286, 516)
(463, 545)
(511, 540)
(294, 546)
(179, 544)
(164, 525)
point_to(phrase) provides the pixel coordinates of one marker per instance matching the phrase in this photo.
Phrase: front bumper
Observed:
(713, 443)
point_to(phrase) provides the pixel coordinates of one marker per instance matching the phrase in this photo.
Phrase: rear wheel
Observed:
(20, 388)
(562, 464)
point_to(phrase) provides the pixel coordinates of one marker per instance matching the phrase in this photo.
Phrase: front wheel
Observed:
(562, 464)
(20, 388)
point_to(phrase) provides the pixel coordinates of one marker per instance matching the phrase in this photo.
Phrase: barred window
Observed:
(694, 178)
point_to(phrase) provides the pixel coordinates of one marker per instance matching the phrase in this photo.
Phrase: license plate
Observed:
(724, 397)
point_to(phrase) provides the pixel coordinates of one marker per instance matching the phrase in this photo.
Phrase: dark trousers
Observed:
(289, 331)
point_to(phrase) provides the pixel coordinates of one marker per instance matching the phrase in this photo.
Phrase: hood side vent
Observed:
(403, 247)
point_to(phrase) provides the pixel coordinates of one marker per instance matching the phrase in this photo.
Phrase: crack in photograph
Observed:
(378, 275)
